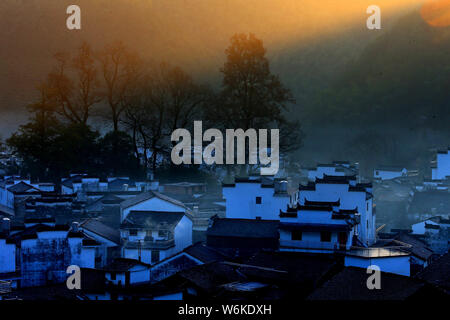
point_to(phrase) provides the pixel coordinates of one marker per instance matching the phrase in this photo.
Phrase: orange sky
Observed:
(436, 12)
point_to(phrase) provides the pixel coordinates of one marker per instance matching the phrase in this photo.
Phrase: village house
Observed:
(151, 236)
(181, 188)
(243, 236)
(194, 255)
(154, 227)
(107, 238)
(441, 166)
(337, 168)
(15, 189)
(151, 201)
(389, 172)
(255, 198)
(45, 250)
(422, 227)
(83, 183)
(318, 227)
(349, 196)
(421, 253)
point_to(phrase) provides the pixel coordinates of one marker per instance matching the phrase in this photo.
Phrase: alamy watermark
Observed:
(374, 281)
(235, 147)
(74, 279)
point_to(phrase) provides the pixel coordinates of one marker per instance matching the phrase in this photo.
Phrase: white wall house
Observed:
(252, 198)
(108, 240)
(317, 227)
(423, 227)
(442, 166)
(350, 196)
(83, 183)
(152, 236)
(154, 227)
(387, 173)
(10, 190)
(47, 250)
(151, 201)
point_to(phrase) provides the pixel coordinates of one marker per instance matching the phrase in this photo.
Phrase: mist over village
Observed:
(237, 151)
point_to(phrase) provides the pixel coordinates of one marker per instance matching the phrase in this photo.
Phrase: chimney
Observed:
(125, 187)
(75, 226)
(281, 186)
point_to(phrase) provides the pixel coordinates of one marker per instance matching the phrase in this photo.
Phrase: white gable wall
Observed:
(442, 166)
(7, 257)
(397, 264)
(241, 202)
(183, 234)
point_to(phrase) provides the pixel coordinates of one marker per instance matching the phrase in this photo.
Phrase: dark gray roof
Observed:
(204, 253)
(118, 184)
(21, 187)
(101, 230)
(246, 228)
(152, 220)
(123, 264)
(351, 284)
(390, 168)
(438, 272)
(144, 196)
(418, 248)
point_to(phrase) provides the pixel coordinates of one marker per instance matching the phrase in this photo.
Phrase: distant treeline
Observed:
(142, 104)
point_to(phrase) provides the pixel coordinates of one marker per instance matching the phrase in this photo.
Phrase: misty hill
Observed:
(401, 78)
(308, 42)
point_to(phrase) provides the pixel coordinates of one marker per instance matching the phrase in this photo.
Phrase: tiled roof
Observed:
(438, 272)
(154, 220)
(123, 264)
(101, 229)
(247, 228)
(144, 196)
(351, 284)
(21, 187)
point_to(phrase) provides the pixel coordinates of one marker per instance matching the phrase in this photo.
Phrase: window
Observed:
(113, 276)
(155, 256)
(162, 233)
(296, 235)
(133, 232)
(258, 200)
(325, 236)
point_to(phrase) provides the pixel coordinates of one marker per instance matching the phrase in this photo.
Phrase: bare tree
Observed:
(168, 99)
(120, 70)
(73, 85)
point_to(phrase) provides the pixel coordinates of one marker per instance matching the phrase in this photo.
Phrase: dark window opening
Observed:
(325, 236)
(296, 235)
(155, 256)
(258, 200)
